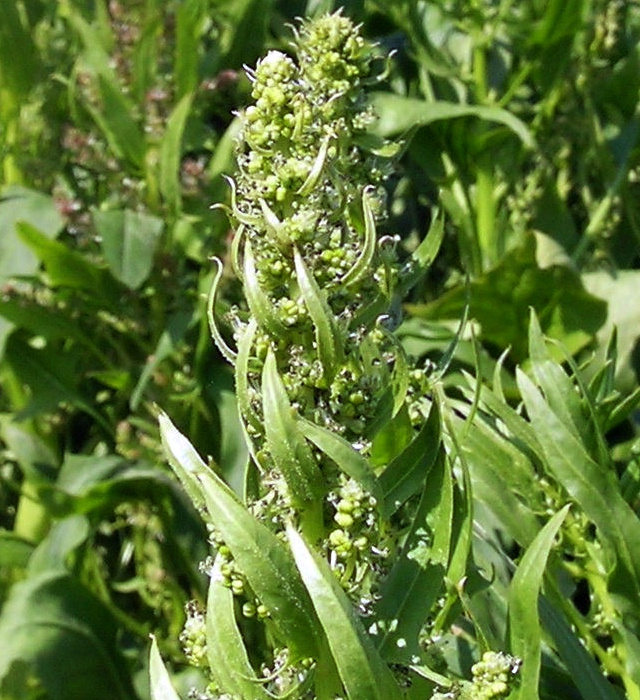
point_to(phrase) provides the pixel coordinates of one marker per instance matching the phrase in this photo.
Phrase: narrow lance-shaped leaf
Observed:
(160, 682)
(327, 340)
(594, 489)
(285, 442)
(262, 308)
(416, 579)
(364, 674)
(350, 461)
(260, 555)
(363, 261)
(171, 153)
(524, 623)
(226, 650)
(406, 474)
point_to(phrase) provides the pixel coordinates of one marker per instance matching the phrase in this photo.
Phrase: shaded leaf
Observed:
(68, 638)
(525, 631)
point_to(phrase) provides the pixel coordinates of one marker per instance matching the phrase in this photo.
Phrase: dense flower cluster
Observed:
(319, 375)
(306, 198)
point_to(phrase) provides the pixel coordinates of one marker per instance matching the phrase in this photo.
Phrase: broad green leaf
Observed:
(19, 204)
(350, 461)
(129, 240)
(14, 551)
(68, 638)
(160, 682)
(55, 550)
(67, 268)
(226, 650)
(260, 555)
(524, 623)
(327, 340)
(501, 299)
(594, 489)
(397, 114)
(364, 674)
(171, 153)
(406, 474)
(616, 289)
(287, 445)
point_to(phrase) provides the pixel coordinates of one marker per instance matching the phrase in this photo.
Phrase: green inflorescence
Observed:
(318, 370)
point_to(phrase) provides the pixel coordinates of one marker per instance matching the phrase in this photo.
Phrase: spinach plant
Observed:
(339, 566)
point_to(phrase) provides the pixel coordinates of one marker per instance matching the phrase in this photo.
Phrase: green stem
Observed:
(486, 230)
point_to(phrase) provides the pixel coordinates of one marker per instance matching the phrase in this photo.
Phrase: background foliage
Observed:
(520, 124)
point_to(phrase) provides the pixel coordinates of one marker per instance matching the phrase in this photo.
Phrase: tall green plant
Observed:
(341, 565)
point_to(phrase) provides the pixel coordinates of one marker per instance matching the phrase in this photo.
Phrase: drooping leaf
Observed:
(397, 114)
(501, 298)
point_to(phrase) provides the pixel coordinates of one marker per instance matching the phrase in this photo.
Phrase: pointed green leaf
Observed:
(285, 442)
(364, 674)
(160, 682)
(267, 564)
(406, 474)
(262, 309)
(171, 153)
(184, 460)
(363, 261)
(327, 340)
(581, 665)
(416, 579)
(524, 623)
(226, 651)
(596, 491)
(350, 461)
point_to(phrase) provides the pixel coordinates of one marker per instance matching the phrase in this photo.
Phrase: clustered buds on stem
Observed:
(319, 375)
